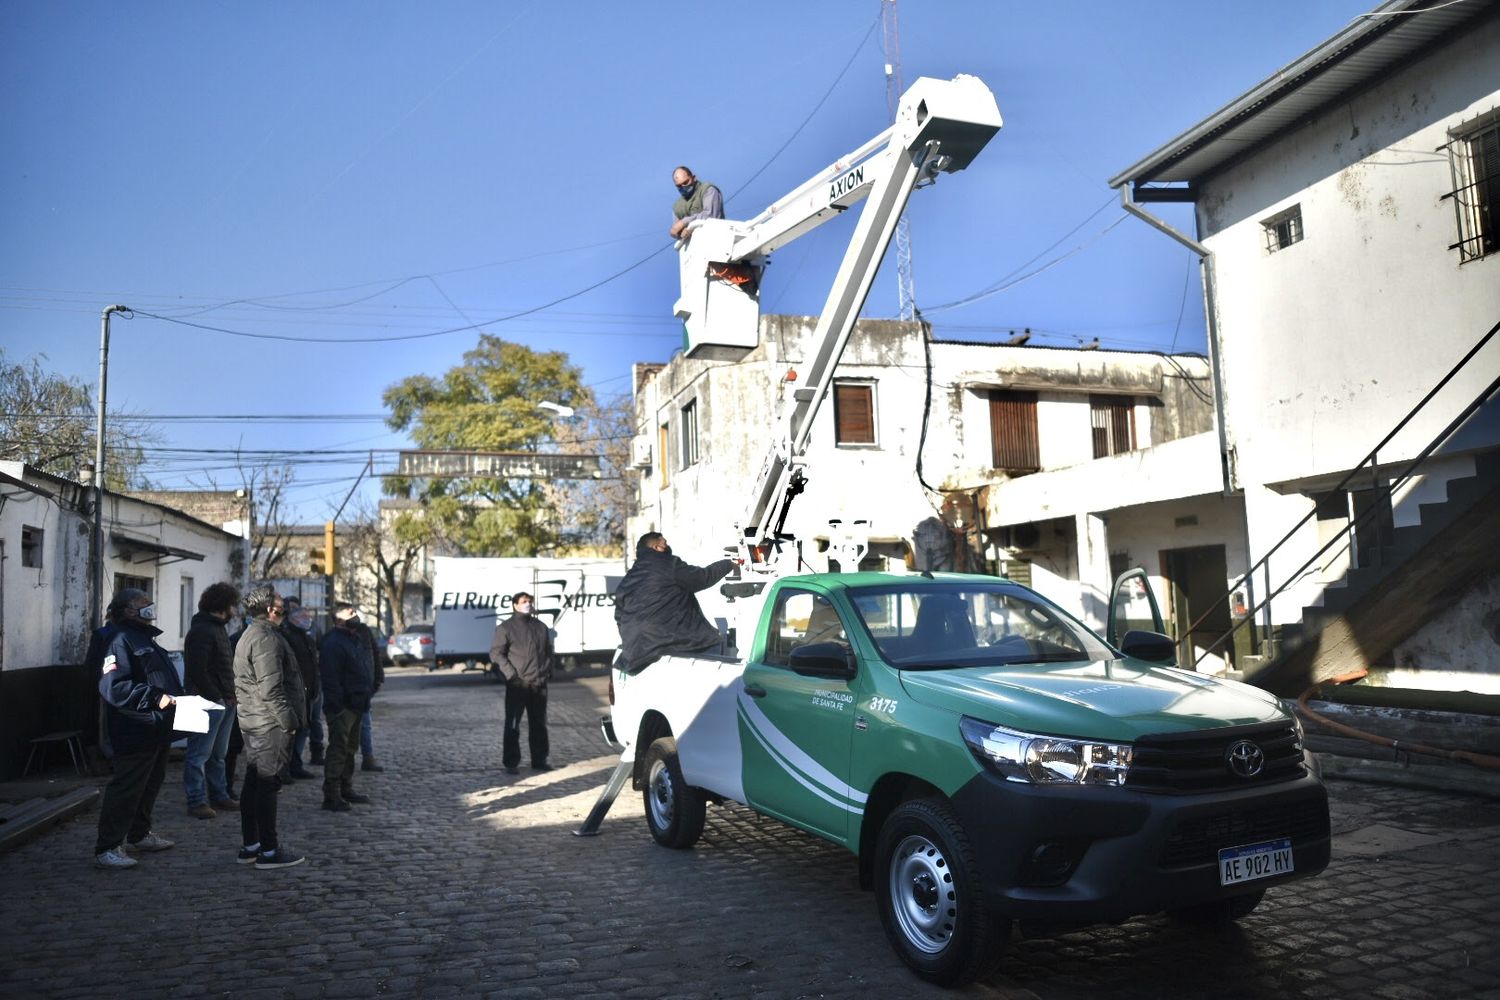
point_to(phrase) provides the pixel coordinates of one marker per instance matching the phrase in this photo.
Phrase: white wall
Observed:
(1328, 342)
(43, 610)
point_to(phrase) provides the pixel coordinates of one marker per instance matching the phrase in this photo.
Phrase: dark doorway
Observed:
(1196, 580)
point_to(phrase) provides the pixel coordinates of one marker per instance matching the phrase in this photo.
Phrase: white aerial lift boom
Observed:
(940, 126)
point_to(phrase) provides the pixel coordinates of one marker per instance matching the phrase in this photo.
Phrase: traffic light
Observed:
(315, 562)
(330, 549)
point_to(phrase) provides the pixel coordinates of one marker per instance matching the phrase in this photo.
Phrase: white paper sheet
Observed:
(192, 713)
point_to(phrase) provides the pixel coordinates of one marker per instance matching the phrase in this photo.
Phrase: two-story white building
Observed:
(977, 457)
(1347, 212)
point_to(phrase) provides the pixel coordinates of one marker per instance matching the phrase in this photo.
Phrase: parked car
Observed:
(413, 644)
(383, 643)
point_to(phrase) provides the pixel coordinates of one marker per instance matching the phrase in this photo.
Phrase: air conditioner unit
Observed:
(640, 453)
(1019, 537)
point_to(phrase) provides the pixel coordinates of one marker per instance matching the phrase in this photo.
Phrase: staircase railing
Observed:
(1263, 564)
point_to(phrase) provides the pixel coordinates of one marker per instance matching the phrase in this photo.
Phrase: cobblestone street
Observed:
(461, 881)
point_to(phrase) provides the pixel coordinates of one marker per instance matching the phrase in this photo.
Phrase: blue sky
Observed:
(342, 170)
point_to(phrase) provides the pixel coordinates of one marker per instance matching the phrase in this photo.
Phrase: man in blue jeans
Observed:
(208, 668)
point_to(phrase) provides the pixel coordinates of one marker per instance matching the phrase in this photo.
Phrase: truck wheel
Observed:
(931, 902)
(1220, 912)
(674, 809)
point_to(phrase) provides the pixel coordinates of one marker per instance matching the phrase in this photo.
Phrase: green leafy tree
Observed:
(488, 403)
(47, 421)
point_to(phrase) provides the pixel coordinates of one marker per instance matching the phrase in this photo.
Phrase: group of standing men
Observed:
(270, 679)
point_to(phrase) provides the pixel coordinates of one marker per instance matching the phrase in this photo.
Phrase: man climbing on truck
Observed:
(656, 607)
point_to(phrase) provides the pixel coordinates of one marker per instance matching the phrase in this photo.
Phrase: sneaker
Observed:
(150, 842)
(247, 855)
(369, 764)
(230, 804)
(115, 858)
(350, 795)
(280, 858)
(202, 811)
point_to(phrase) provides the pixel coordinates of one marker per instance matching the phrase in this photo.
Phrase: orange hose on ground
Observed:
(1486, 761)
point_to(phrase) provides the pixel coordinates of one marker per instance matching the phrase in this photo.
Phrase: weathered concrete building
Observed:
(984, 460)
(1348, 215)
(45, 525)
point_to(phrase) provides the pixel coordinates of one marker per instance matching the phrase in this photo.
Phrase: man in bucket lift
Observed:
(699, 200)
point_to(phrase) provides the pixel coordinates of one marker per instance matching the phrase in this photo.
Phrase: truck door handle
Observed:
(755, 690)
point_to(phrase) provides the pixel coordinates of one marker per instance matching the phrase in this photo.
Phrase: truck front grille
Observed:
(1198, 839)
(1201, 761)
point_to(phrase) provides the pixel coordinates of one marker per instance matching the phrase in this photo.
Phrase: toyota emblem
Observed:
(1245, 759)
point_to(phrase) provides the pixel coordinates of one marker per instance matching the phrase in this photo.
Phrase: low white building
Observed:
(994, 458)
(1348, 214)
(45, 526)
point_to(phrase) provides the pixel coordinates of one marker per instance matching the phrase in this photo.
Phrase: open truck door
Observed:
(1135, 624)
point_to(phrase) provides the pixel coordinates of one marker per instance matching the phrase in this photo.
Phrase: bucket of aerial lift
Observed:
(721, 318)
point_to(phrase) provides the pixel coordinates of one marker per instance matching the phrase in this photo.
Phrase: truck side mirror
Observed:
(823, 659)
(1151, 646)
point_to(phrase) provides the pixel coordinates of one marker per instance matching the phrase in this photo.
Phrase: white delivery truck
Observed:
(574, 597)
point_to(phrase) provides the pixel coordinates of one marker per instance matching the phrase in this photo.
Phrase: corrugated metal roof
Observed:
(1368, 49)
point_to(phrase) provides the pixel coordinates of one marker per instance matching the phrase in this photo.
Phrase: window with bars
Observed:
(1283, 229)
(1113, 421)
(690, 434)
(1474, 155)
(1013, 437)
(854, 413)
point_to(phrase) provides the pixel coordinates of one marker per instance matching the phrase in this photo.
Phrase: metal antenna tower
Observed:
(890, 40)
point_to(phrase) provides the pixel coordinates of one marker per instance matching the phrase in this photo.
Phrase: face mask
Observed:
(686, 190)
(146, 614)
(351, 623)
(524, 608)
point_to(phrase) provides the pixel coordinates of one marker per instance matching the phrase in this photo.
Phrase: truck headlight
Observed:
(1290, 708)
(1046, 760)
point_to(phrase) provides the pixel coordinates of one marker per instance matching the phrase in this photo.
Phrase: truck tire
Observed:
(674, 809)
(931, 902)
(1220, 912)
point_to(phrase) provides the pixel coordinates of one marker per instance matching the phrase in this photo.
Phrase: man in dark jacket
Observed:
(139, 686)
(655, 605)
(348, 683)
(295, 629)
(522, 652)
(272, 705)
(208, 663)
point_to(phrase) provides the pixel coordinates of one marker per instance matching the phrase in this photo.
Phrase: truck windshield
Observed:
(967, 625)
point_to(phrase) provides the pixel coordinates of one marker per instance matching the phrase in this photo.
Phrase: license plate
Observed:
(1253, 861)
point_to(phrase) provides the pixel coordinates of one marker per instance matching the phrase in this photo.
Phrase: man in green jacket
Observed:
(272, 707)
(698, 200)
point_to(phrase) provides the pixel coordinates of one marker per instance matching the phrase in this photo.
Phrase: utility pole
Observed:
(96, 537)
(890, 40)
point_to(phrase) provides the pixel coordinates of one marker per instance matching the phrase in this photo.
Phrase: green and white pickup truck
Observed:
(984, 756)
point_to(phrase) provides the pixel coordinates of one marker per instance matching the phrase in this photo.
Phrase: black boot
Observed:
(317, 754)
(350, 795)
(334, 803)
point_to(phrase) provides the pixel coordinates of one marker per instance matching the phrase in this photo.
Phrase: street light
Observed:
(96, 538)
(559, 410)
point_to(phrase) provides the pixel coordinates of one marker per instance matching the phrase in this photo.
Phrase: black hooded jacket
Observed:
(656, 610)
(134, 675)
